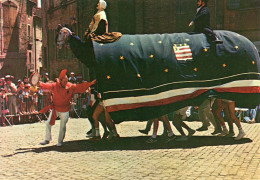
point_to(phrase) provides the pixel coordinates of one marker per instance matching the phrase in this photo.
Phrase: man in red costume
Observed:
(62, 92)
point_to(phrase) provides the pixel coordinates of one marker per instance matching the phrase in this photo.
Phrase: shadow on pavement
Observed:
(134, 143)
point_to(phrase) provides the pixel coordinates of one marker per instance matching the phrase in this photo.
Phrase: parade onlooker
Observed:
(72, 78)
(34, 96)
(11, 96)
(19, 98)
(26, 98)
(3, 105)
(45, 77)
(40, 100)
(257, 119)
(2, 82)
(25, 80)
(250, 116)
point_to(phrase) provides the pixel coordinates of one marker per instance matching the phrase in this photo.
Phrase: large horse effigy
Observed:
(144, 76)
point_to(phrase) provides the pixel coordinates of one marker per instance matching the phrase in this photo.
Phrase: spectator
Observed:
(11, 91)
(79, 78)
(3, 105)
(34, 98)
(45, 77)
(72, 78)
(257, 119)
(40, 100)
(25, 80)
(2, 83)
(19, 99)
(250, 116)
(26, 98)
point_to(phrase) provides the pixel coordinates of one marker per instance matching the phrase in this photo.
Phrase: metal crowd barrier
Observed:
(24, 110)
(27, 109)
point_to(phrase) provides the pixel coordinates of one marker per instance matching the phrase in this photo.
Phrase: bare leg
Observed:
(166, 123)
(155, 126)
(109, 121)
(98, 110)
(231, 109)
(155, 129)
(229, 120)
(217, 107)
(113, 136)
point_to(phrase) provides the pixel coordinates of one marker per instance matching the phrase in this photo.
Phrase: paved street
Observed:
(201, 157)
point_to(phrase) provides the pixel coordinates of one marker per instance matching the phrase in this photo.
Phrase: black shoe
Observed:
(151, 140)
(89, 132)
(164, 134)
(105, 135)
(170, 138)
(144, 131)
(113, 138)
(202, 128)
(216, 131)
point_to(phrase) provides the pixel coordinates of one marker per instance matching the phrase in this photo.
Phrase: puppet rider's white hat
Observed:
(103, 4)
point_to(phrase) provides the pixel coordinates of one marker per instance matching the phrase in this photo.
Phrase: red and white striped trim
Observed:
(176, 95)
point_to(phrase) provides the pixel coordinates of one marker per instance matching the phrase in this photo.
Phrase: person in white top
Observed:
(99, 23)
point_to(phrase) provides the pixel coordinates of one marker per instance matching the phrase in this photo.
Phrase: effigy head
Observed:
(62, 36)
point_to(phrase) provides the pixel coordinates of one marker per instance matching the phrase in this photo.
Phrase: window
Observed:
(29, 31)
(39, 3)
(249, 3)
(29, 7)
(10, 29)
(233, 4)
(242, 4)
(30, 57)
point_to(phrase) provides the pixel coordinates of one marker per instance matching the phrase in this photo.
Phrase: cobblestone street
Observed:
(203, 156)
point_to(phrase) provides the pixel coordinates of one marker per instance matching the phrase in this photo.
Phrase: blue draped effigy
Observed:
(145, 76)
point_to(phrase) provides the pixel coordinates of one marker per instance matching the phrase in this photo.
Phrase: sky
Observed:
(39, 3)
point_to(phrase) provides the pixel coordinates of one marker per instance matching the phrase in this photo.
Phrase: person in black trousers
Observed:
(201, 22)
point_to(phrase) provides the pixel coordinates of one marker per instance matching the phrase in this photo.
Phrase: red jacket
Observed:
(62, 96)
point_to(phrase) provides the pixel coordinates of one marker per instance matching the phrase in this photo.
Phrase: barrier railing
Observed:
(27, 108)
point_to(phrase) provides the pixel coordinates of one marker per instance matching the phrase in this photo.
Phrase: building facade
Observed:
(20, 38)
(140, 17)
